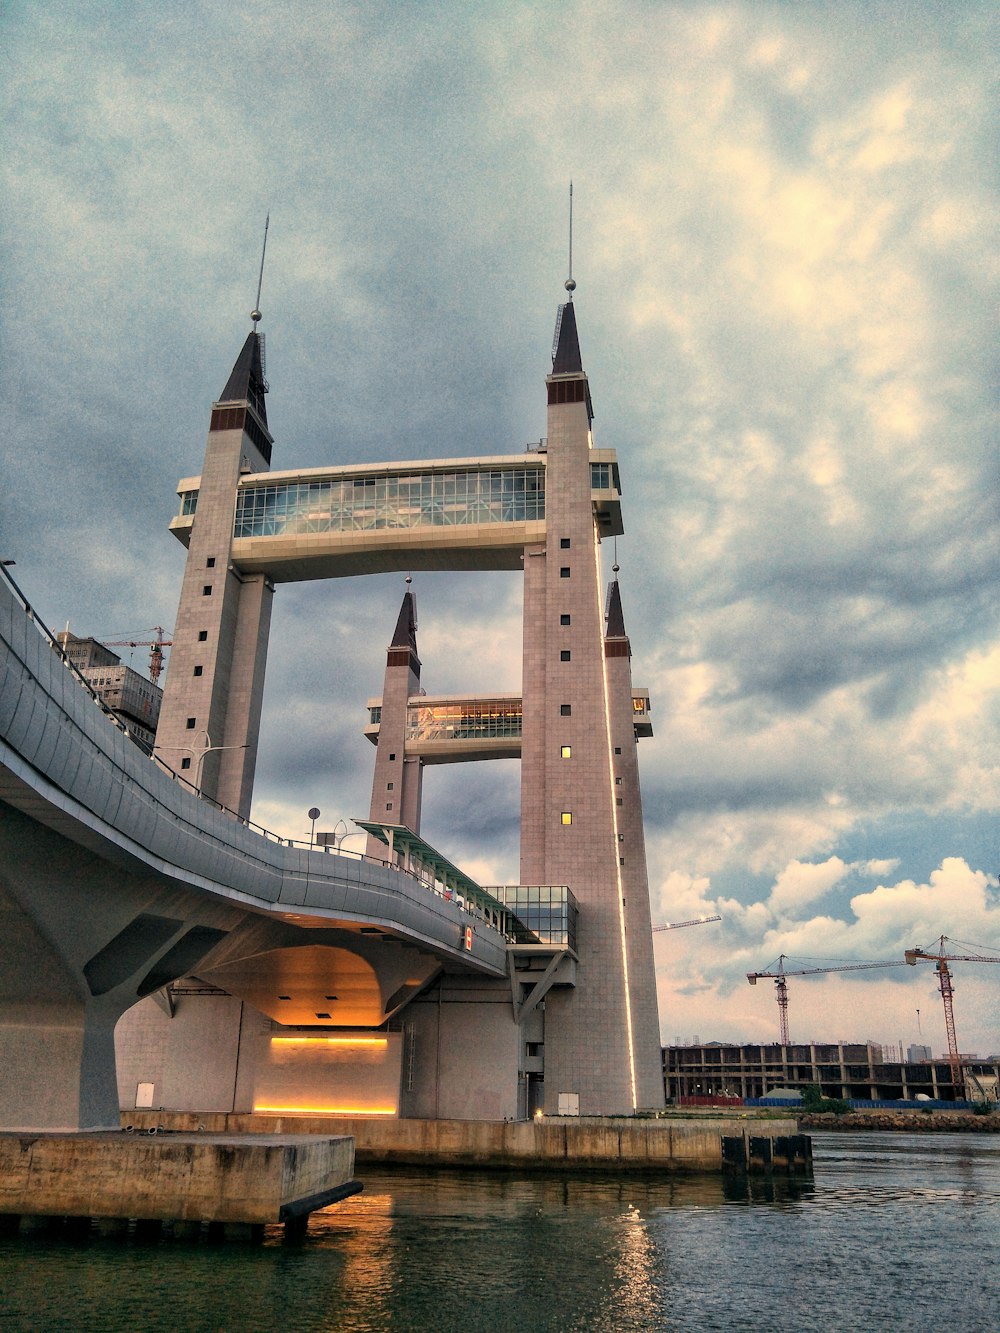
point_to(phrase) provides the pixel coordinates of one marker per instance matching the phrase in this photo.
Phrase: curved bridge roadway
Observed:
(115, 880)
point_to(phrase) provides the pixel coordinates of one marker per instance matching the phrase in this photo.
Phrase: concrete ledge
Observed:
(185, 1177)
(547, 1144)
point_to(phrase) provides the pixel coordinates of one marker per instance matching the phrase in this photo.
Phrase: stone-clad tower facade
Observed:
(210, 718)
(580, 814)
(397, 782)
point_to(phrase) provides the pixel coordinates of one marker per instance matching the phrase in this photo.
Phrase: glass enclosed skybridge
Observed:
(455, 729)
(468, 514)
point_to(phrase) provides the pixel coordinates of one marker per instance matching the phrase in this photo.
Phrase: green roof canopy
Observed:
(399, 838)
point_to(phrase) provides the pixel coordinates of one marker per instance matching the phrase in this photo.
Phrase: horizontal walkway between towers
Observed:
(434, 514)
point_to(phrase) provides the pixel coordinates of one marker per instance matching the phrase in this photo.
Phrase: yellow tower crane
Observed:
(695, 921)
(941, 957)
(778, 972)
(155, 646)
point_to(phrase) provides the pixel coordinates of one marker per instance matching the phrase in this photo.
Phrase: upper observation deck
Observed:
(459, 513)
(456, 729)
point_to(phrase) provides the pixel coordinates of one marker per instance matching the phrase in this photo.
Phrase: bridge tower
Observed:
(398, 778)
(210, 718)
(580, 810)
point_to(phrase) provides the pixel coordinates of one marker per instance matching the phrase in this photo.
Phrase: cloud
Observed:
(800, 884)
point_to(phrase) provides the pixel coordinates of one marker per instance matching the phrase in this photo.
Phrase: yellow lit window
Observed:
(567, 816)
(565, 751)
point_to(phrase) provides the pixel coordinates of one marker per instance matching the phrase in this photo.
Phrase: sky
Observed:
(783, 242)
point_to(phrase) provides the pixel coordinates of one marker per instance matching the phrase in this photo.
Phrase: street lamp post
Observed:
(199, 754)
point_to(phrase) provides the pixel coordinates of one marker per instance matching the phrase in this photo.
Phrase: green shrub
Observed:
(814, 1103)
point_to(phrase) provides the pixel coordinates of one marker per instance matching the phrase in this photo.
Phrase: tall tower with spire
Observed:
(398, 778)
(210, 718)
(581, 822)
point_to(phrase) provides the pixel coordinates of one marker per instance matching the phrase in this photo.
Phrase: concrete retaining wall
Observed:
(548, 1144)
(190, 1177)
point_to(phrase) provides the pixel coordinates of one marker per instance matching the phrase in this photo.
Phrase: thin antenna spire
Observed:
(569, 284)
(255, 314)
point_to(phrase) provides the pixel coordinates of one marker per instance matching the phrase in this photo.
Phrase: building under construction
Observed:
(715, 1073)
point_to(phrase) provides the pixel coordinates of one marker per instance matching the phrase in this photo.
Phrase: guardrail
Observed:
(32, 615)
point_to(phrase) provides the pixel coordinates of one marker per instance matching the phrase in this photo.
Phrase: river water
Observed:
(894, 1232)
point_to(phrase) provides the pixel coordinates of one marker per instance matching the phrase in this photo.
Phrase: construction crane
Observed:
(941, 958)
(780, 972)
(155, 646)
(695, 921)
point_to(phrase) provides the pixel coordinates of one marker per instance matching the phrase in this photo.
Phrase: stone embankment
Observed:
(907, 1122)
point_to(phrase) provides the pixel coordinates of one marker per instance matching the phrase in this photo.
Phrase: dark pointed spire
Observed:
(246, 381)
(403, 649)
(613, 615)
(616, 642)
(566, 358)
(405, 635)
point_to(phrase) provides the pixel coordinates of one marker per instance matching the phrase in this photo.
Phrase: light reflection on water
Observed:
(894, 1232)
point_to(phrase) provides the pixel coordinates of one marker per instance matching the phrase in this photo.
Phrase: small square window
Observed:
(389, 806)
(618, 749)
(621, 837)
(565, 620)
(207, 590)
(564, 572)
(618, 782)
(389, 786)
(203, 636)
(618, 800)
(565, 751)
(198, 670)
(564, 655)
(210, 562)
(190, 723)
(564, 543)
(621, 860)
(391, 758)
(186, 762)
(566, 817)
(565, 710)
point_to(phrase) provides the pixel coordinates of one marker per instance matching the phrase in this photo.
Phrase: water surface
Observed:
(895, 1231)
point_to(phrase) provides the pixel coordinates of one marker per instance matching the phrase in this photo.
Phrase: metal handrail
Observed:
(57, 647)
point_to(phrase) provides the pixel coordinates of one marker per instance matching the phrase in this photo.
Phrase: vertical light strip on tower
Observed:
(614, 816)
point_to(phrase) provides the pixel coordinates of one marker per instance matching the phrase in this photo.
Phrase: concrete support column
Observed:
(58, 1068)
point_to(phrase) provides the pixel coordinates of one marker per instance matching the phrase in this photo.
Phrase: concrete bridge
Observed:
(116, 879)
